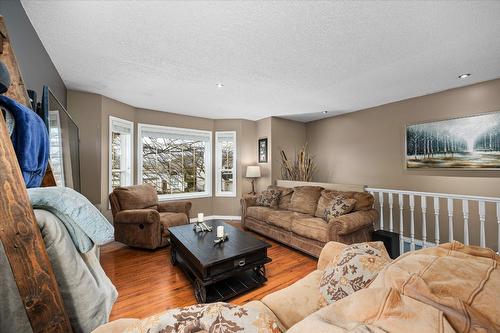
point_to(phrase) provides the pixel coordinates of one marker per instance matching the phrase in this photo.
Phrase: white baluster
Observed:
(423, 205)
(450, 220)
(401, 241)
(436, 220)
(498, 222)
(412, 222)
(465, 210)
(391, 219)
(381, 202)
(482, 219)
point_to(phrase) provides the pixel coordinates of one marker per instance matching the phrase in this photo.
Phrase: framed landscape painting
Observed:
(462, 143)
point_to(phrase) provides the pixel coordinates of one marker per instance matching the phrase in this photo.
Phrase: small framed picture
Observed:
(263, 150)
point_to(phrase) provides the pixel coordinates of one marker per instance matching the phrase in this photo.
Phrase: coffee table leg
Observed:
(260, 271)
(200, 292)
(173, 258)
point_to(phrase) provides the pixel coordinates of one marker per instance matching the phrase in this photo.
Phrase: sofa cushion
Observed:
(213, 317)
(297, 301)
(259, 212)
(311, 227)
(283, 218)
(305, 199)
(286, 195)
(339, 206)
(269, 198)
(168, 220)
(354, 269)
(364, 200)
(137, 197)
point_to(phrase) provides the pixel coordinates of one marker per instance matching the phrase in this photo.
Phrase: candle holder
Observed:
(220, 240)
(201, 227)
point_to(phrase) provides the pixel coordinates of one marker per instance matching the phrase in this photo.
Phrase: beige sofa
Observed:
(297, 220)
(450, 288)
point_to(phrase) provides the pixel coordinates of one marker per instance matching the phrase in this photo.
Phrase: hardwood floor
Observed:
(148, 284)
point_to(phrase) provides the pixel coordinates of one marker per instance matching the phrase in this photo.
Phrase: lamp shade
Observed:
(253, 171)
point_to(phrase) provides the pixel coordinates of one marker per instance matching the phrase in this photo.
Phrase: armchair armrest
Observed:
(349, 223)
(137, 216)
(181, 206)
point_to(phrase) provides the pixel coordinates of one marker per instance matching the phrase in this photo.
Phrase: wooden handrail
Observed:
(19, 232)
(435, 194)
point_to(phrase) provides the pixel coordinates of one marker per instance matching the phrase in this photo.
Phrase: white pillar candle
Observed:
(220, 231)
(200, 217)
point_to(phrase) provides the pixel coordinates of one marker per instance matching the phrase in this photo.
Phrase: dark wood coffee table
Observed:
(219, 272)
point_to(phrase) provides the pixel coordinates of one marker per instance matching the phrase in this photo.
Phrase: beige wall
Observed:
(289, 136)
(263, 130)
(367, 147)
(85, 109)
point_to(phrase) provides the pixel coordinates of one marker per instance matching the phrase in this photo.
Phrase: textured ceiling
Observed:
(274, 58)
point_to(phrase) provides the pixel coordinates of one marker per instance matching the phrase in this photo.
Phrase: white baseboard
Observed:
(217, 217)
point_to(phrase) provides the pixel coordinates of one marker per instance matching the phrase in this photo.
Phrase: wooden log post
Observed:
(19, 232)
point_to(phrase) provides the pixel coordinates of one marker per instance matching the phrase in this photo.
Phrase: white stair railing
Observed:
(448, 200)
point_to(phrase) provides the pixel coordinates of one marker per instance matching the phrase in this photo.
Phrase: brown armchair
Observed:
(140, 220)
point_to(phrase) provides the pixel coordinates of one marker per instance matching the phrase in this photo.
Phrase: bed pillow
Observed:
(353, 269)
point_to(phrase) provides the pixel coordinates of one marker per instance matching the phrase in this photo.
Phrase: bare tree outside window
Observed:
(116, 148)
(173, 165)
(226, 166)
(227, 178)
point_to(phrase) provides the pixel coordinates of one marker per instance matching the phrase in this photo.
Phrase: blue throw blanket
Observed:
(85, 224)
(30, 140)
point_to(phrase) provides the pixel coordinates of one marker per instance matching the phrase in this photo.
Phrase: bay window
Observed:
(176, 161)
(225, 154)
(121, 134)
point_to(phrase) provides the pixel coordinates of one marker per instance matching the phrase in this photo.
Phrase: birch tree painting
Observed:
(470, 142)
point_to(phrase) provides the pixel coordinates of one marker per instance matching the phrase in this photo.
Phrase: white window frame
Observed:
(129, 152)
(218, 167)
(59, 173)
(208, 161)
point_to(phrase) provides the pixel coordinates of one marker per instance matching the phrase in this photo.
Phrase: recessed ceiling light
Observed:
(324, 112)
(463, 76)
(219, 85)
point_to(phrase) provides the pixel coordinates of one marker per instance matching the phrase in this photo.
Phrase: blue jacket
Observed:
(30, 140)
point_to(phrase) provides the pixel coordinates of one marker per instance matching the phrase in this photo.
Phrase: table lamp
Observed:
(253, 172)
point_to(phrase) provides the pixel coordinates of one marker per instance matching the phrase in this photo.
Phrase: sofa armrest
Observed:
(137, 216)
(249, 201)
(181, 206)
(349, 223)
(330, 251)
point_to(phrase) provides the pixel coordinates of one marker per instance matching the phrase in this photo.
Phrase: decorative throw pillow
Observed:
(269, 198)
(353, 269)
(339, 206)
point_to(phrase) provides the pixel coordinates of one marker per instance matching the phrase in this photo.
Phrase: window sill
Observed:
(225, 195)
(172, 197)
